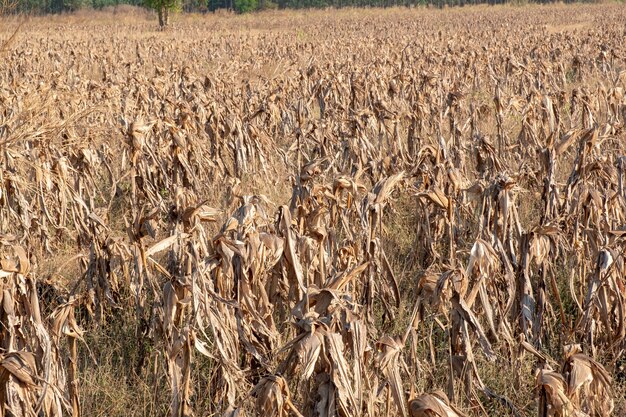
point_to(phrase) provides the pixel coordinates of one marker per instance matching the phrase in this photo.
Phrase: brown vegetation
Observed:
(354, 213)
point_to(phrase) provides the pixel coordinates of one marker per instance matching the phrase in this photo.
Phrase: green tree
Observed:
(164, 8)
(245, 6)
(73, 5)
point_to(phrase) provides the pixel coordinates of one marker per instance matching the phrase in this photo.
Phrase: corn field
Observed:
(400, 212)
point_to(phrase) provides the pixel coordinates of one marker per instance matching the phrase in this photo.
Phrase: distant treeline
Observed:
(58, 6)
(243, 6)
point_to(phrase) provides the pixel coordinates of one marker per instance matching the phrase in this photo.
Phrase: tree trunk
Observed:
(161, 12)
(164, 17)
